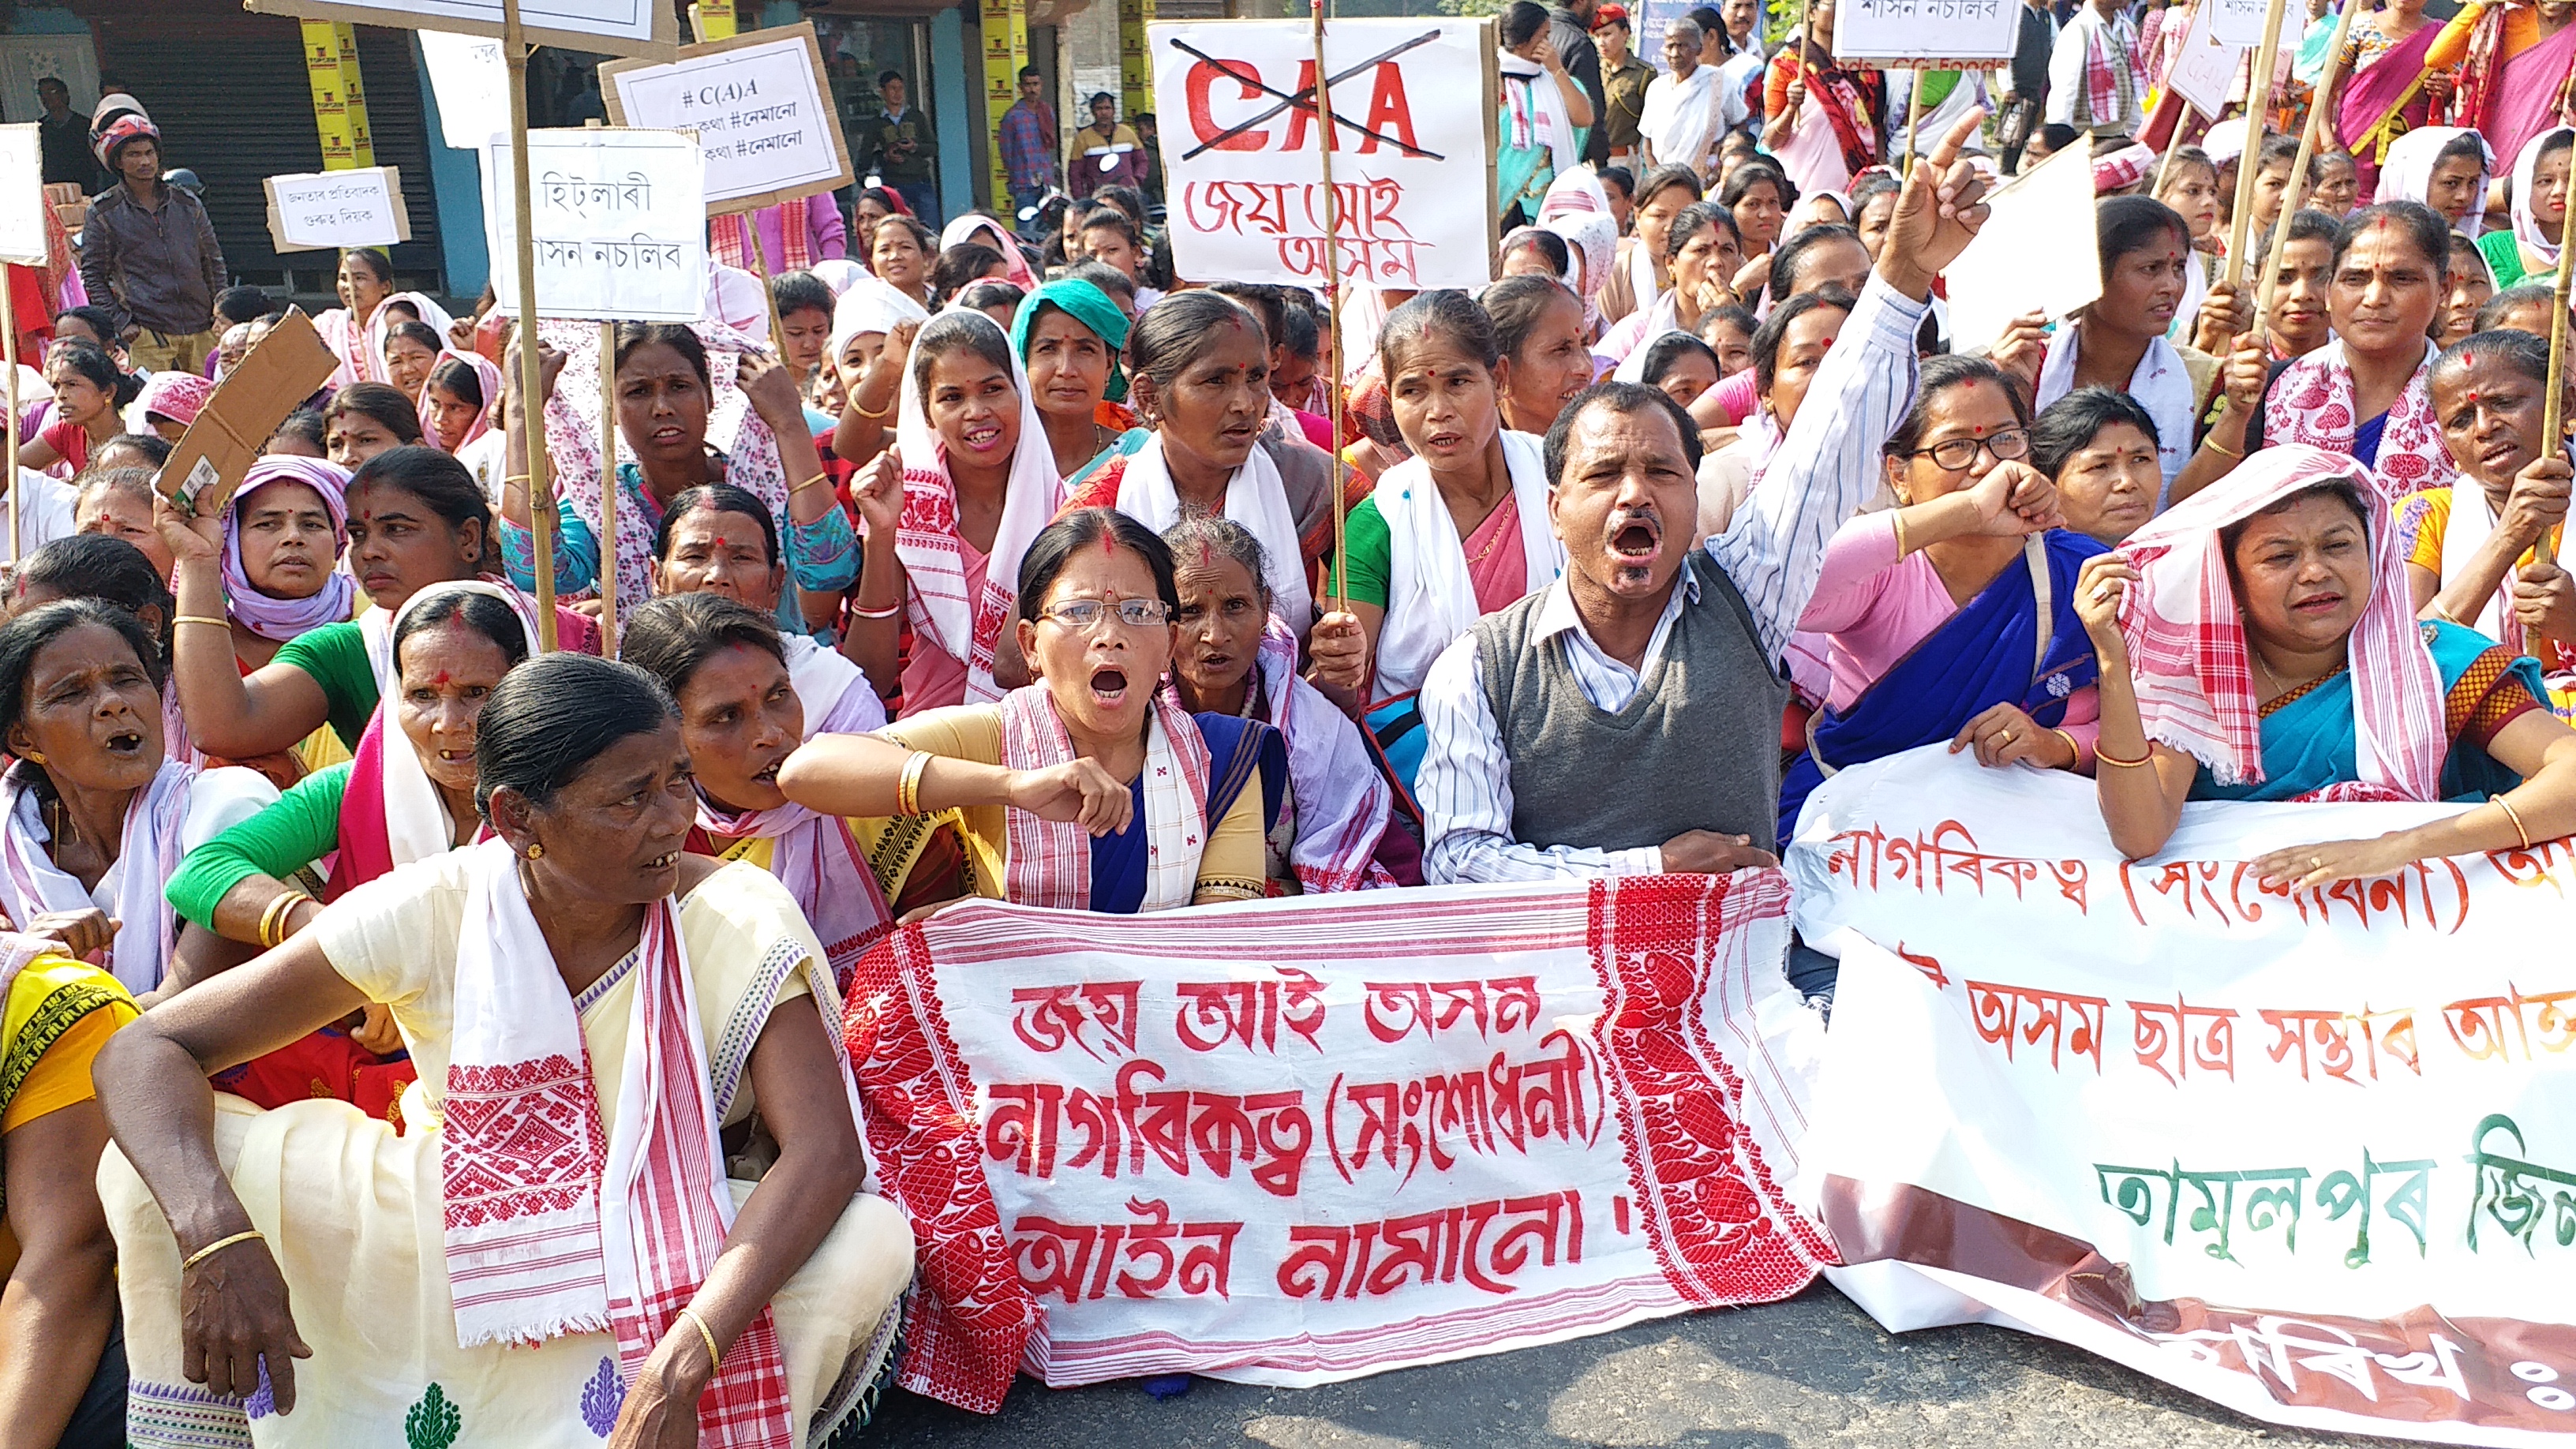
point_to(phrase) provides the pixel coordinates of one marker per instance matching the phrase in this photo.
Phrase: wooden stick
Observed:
(1326, 131)
(2258, 88)
(541, 493)
(608, 484)
(2297, 191)
(2553, 427)
(1913, 120)
(9, 350)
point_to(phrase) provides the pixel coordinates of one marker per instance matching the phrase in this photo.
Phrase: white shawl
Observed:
(1429, 599)
(2161, 385)
(1679, 115)
(2526, 227)
(1254, 497)
(2407, 174)
(31, 884)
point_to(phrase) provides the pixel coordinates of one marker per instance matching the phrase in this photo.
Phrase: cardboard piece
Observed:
(22, 195)
(472, 84)
(616, 27)
(333, 210)
(1928, 34)
(620, 223)
(760, 105)
(2039, 251)
(288, 366)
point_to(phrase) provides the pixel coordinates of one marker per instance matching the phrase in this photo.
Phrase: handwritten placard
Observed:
(472, 84)
(321, 210)
(1412, 166)
(2237, 22)
(1927, 34)
(760, 107)
(620, 224)
(616, 27)
(22, 195)
(2204, 67)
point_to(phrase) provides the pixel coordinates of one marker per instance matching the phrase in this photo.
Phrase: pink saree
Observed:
(2385, 100)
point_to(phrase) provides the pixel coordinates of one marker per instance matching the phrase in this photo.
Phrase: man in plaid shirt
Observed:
(1028, 143)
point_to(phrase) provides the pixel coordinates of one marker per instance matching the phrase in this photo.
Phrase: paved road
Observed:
(1806, 1374)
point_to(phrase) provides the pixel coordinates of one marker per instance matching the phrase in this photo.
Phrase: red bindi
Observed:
(442, 679)
(720, 540)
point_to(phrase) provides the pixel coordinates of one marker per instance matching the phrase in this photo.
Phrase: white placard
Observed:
(2039, 251)
(472, 83)
(315, 210)
(620, 224)
(760, 109)
(22, 195)
(1926, 31)
(2204, 68)
(618, 27)
(1413, 101)
(2240, 22)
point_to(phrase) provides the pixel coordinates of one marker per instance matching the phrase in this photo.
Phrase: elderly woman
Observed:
(95, 816)
(2365, 394)
(57, 1262)
(1052, 781)
(718, 540)
(2472, 549)
(2292, 567)
(1946, 619)
(1068, 335)
(1234, 659)
(2099, 448)
(743, 709)
(948, 512)
(579, 966)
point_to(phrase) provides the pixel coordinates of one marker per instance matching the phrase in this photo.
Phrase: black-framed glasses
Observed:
(1958, 454)
(1086, 613)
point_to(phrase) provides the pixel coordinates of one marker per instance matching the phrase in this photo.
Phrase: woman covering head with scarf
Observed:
(2257, 643)
(456, 408)
(975, 226)
(1577, 208)
(94, 815)
(580, 963)
(1069, 335)
(872, 330)
(2445, 168)
(2540, 188)
(948, 512)
(284, 533)
(170, 401)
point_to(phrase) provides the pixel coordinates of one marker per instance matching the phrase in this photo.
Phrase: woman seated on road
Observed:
(2472, 548)
(718, 540)
(2099, 447)
(743, 710)
(1235, 659)
(2292, 566)
(407, 796)
(1947, 618)
(1051, 782)
(551, 970)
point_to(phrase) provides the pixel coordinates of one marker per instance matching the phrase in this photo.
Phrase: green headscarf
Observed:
(1085, 304)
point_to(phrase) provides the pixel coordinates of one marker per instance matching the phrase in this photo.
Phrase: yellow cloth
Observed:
(352, 1210)
(1234, 855)
(58, 1014)
(2430, 512)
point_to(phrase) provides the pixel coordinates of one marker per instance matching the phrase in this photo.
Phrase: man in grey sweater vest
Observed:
(1626, 719)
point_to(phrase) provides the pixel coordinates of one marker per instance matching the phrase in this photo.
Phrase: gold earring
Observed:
(536, 852)
(35, 759)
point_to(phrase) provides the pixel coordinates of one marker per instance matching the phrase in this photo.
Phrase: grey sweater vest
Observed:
(1697, 748)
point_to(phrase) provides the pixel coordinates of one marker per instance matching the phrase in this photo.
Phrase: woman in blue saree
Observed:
(1948, 618)
(2258, 642)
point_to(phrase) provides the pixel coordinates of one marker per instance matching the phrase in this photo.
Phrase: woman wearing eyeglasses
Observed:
(1091, 789)
(1950, 617)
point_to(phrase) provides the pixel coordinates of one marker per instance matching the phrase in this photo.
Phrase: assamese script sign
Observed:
(1412, 167)
(1227, 1141)
(2311, 1154)
(759, 105)
(620, 223)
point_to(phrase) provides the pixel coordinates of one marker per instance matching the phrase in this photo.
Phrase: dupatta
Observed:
(148, 854)
(1048, 862)
(2311, 404)
(2385, 98)
(1341, 800)
(1431, 600)
(265, 614)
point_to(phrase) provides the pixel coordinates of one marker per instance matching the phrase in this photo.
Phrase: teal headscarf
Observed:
(1085, 304)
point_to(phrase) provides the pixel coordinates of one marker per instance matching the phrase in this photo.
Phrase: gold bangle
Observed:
(219, 622)
(272, 922)
(2221, 449)
(907, 790)
(518, 478)
(2516, 817)
(863, 412)
(808, 483)
(2076, 749)
(1897, 515)
(217, 1246)
(715, 1360)
(2102, 756)
(268, 920)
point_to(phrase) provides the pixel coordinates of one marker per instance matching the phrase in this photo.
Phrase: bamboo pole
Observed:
(541, 493)
(1913, 120)
(9, 351)
(2553, 427)
(2258, 89)
(2296, 193)
(1327, 132)
(608, 484)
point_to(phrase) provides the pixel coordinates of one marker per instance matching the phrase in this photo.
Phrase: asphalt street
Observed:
(1805, 1374)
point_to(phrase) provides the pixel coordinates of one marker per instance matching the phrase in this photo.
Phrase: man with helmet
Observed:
(148, 251)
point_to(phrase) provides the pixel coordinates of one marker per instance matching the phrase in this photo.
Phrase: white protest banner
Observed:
(2204, 68)
(2240, 22)
(1229, 1141)
(316, 210)
(616, 27)
(2043, 255)
(1927, 34)
(472, 84)
(620, 223)
(1413, 167)
(22, 195)
(2309, 1154)
(760, 107)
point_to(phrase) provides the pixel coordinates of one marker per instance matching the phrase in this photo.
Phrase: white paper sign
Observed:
(1927, 30)
(2240, 22)
(1243, 164)
(336, 209)
(2204, 67)
(621, 27)
(2039, 251)
(22, 195)
(760, 111)
(472, 83)
(620, 224)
